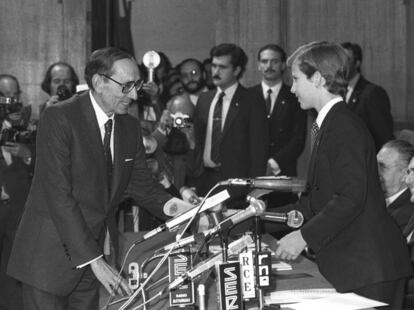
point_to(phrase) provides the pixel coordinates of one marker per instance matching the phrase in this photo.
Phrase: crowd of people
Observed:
(167, 141)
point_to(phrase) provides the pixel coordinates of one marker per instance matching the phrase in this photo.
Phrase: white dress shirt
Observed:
(229, 93)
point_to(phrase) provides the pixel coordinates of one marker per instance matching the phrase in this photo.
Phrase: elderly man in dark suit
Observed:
(393, 159)
(89, 153)
(358, 246)
(286, 120)
(368, 100)
(229, 125)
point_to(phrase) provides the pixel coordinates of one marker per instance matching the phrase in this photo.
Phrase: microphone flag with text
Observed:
(188, 214)
(235, 248)
(274, 183)
(256, 208)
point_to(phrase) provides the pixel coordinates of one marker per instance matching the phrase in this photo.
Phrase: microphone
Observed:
(186, 215)
(279, 184)
(293, 219)
(234, 248)
(256, 208)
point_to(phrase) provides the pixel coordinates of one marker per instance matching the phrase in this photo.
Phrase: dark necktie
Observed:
(216, 130)
(314, 134)
(107, 152)
(268, 101)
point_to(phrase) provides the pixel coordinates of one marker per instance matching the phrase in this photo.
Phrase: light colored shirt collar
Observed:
(101, 116)
(394, 197)
(229, 91)
(352, 82)
(275, 88)
(326, 108)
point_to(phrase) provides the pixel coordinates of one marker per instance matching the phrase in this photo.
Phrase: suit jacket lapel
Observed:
(400, 200)
(356, 93)
(233, 110)
(93, 135)
(319, 141)
(280, 102)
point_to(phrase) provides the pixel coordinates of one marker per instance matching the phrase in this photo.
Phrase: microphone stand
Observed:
(258, 248)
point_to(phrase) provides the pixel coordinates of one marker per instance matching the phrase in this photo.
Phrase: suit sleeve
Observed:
(259, 137)
(342, 176)
(143, 188)
(295, 146)
(378, 115)
(54, 167)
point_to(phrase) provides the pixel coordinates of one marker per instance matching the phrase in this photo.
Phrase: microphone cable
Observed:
(164, 258)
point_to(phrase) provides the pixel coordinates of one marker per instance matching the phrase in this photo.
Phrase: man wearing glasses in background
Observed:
(89, 153)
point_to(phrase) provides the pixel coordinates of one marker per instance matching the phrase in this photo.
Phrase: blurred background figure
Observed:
(59, 83)
(393, 159)
(209, 76)
(17, 143)
(368, 100)
(193, 78)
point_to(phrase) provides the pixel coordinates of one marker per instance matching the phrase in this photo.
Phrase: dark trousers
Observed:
(391, 292)
(84, 296)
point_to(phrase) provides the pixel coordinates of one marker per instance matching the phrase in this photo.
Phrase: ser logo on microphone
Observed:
(229, 283)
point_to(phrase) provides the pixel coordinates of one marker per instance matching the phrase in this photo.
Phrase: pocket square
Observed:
(128, 159)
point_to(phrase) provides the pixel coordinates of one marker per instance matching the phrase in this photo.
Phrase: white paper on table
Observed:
(332, 300)
(296, 296)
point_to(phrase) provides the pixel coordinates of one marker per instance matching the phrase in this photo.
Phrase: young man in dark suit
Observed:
(89, 154)
(368, 100)
(229, 125)
(286, 120)
(358, 246)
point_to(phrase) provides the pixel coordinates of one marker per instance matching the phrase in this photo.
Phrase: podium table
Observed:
(304, 273)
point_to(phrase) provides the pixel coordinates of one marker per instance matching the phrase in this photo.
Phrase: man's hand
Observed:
(290, 246)
(189, 195)
(151, 89)
(108, 276)
(189, 133)
(52, 100)
(272, 167)
(18, 149)
(165, 120)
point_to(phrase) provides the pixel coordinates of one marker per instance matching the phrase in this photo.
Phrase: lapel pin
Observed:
(283, 101)
(236, 104)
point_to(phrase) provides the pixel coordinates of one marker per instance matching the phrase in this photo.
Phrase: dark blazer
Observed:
(372, 104)
(402, 209)
(355, 240)
(287, 129)
(69, 206)
(244, 146)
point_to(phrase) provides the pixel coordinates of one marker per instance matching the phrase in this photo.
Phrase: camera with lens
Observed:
(181, 120)
(9, 105)
(63, 93)
(16, 133)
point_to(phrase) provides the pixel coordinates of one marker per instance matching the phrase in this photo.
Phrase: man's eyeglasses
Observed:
(128, 86)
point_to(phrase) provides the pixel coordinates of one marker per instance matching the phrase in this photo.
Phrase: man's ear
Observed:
(318, 79)
(237, 70)
(97, 82)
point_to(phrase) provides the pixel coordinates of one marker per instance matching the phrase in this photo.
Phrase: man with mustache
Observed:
(229, 125)
(286, 120)
(193, 78)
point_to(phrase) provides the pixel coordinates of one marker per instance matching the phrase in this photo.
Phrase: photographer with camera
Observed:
(16, 168)
(59, 83)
